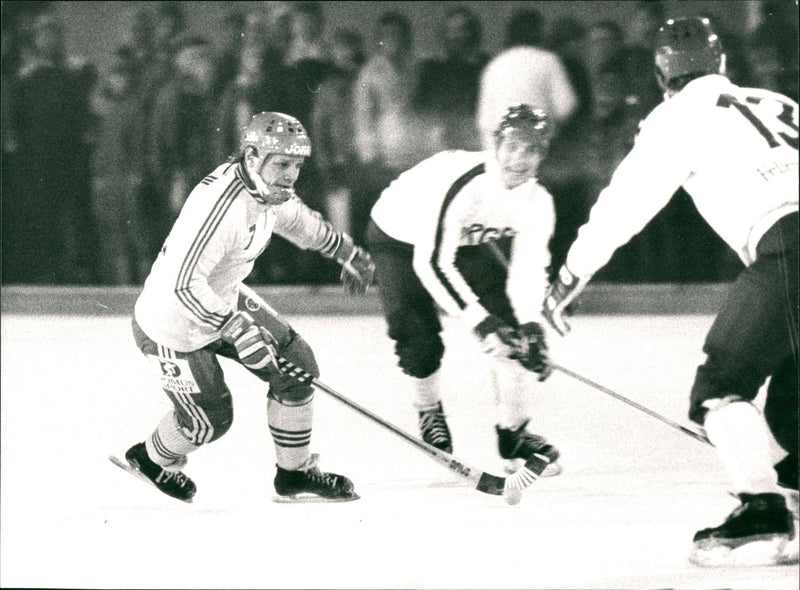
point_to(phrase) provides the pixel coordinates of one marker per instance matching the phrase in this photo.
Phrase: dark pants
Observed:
(754, 337)
(412, 315)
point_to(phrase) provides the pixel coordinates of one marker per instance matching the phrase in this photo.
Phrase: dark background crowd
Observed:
(96, 164)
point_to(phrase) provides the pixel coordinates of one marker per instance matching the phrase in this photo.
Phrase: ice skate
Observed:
(172, 481)
(309, 484)
(755, 534)
(434, 428)
(517, 446)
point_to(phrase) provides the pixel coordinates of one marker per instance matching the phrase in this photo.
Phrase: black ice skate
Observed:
(434, 428)
(517, 446)
(309, 484)
(173, 483)
(754, 534)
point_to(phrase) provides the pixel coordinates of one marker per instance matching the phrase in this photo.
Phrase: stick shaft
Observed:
(500, 257)
(641, 408)
(483, 482)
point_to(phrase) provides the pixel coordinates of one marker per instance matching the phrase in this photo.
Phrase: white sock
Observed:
(290, 427)
(739, 433)
(426, 391)
(510, 397)
(168, 445)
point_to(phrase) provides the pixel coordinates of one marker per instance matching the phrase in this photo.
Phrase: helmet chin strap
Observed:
(270, 194)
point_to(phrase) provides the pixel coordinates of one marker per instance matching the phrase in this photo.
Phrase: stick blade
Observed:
(491, 484)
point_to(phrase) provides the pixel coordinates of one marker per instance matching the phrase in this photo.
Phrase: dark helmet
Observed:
(687, 46)
(531, 125)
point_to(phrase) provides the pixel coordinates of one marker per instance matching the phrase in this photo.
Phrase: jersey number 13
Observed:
(776, 128)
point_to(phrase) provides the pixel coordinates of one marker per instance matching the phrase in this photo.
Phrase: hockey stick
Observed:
(695, 435)
(482, 481)
(500, 257)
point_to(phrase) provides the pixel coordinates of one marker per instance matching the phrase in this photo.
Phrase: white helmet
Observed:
(274, 133)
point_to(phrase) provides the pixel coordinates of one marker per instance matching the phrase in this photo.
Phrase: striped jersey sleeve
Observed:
(203, 255)
(193, 284)
(306, 228)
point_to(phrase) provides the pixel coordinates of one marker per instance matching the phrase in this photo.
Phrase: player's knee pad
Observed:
(202, 424)
(222, 419)
(287, 389)
(420, 356)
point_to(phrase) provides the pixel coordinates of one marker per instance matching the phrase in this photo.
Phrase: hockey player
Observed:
(194, 309)
(735, 151)
(428, 234)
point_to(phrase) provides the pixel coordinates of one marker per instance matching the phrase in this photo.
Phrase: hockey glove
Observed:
(559, 295)
(358, 270)
(532, 352)
(496, 338)
(254, 344)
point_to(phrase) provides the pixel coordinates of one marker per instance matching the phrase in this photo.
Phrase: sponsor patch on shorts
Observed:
(176, 375)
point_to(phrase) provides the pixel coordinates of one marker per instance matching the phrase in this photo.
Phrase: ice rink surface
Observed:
(622, 515)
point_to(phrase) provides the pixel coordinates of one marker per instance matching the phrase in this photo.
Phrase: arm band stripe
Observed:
(455, 188)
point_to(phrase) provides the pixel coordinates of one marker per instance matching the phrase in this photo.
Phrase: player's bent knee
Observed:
(286, 389)
(295, 394)
(420, 357)
(221, 419)
(720, 375)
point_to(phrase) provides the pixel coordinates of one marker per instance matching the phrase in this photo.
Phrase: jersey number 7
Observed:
(771, 127)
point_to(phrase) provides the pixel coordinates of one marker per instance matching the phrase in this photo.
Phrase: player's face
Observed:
(280, 172)
(519, 160)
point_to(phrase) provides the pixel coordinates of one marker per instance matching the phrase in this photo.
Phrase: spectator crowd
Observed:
(96, 167)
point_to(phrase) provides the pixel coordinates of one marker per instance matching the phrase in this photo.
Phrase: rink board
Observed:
(75, 389)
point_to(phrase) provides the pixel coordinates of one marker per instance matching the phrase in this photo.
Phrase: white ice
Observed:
(622, 515)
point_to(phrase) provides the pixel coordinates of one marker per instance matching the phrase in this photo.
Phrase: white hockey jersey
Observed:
(457, 198)
(734, 150)
(211, 249)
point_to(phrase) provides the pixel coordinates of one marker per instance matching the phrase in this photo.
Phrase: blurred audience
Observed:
(308, 64)
(382, 117)
(604, 42)
(54, 237)
(230, 39)
(567, 39)
(773, 48)
(642, 88)
(584, 153)
(447, 86)
(245, 94)
(118, 165)
(525, 72)
(95, 169)
(180, 134)
(333, 133)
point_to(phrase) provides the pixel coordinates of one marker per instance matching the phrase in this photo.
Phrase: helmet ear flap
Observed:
(251, 158)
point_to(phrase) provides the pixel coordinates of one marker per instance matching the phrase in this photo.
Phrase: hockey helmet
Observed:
(685, 46)
(528, 124)
(276, 133)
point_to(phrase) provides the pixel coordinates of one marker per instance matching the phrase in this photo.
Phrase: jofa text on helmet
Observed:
(298, 150)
